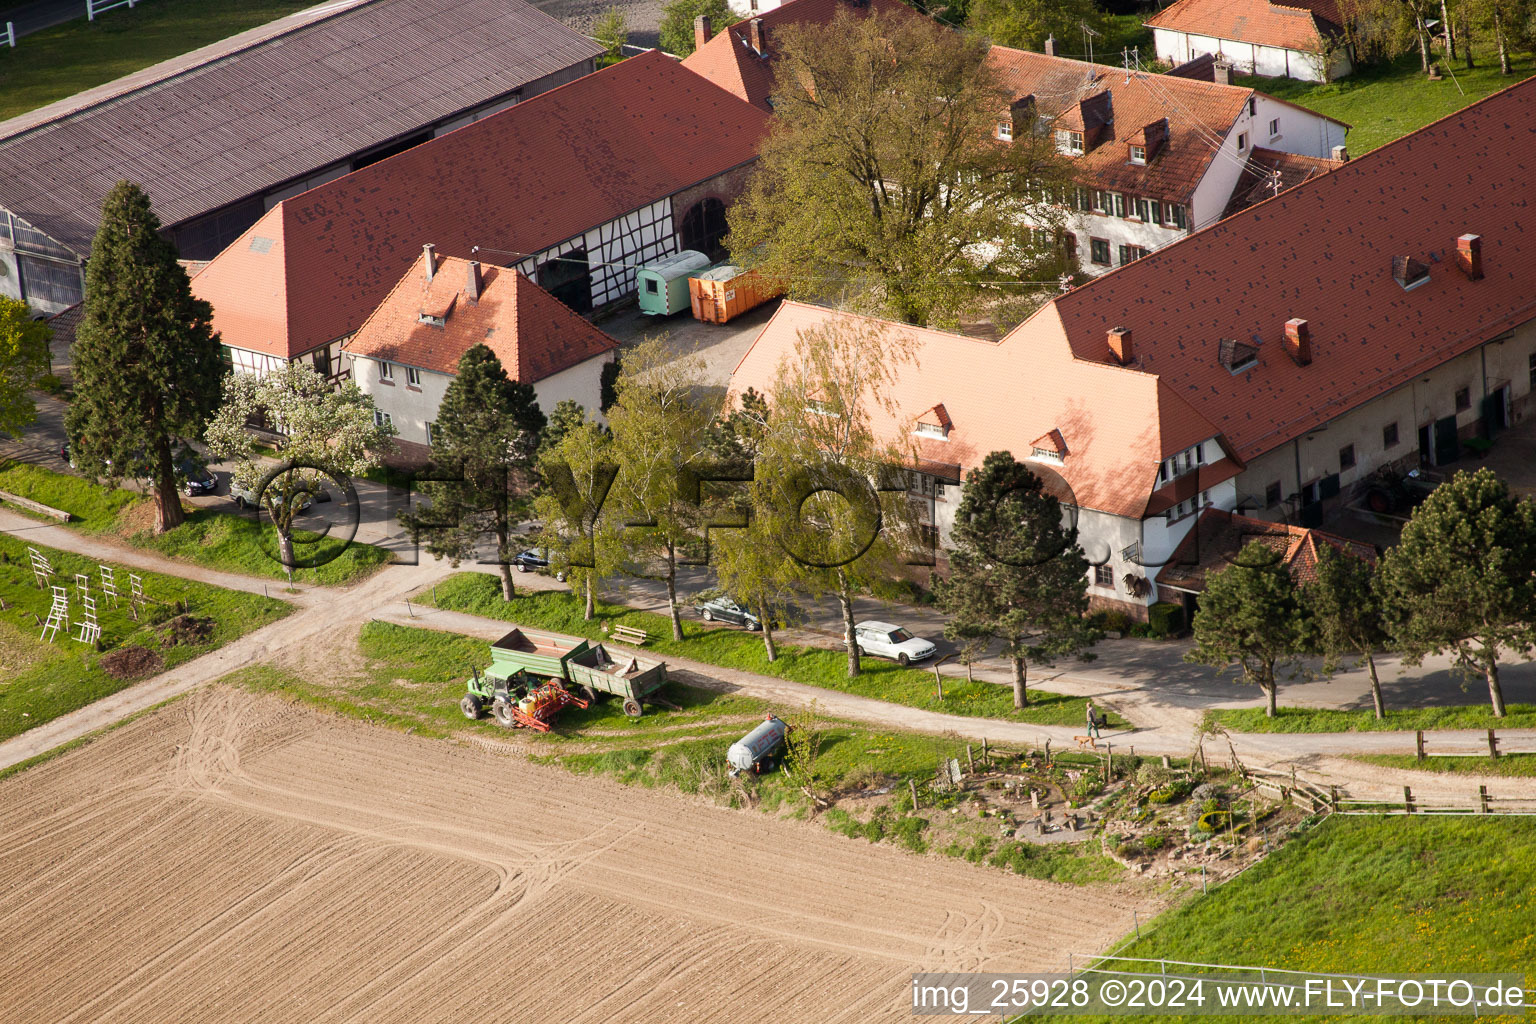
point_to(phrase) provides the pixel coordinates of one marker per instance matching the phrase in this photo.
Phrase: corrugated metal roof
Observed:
(277, 110)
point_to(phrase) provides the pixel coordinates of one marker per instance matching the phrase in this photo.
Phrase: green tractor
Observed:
(499, 694)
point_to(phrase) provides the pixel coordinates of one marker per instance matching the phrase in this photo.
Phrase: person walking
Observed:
(1093, 721)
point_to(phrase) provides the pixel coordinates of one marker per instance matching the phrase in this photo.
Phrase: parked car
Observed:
(198, 479)
(723, 609)
(534, 560)
(887, 641)
(245, 497)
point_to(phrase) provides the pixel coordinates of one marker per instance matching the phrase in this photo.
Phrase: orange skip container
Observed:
(719, 294)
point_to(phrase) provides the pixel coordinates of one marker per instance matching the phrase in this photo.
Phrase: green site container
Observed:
(664, 284)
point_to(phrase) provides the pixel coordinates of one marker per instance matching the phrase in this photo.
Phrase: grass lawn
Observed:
(1368, 896)
(1388, 101)
(1472, 716)
(415, 678)
(1514, 766)
(212, 539)
(480, 594)
(61, 61)
(42, 680)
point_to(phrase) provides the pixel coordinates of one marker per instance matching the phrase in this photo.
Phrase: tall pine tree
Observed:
(483, 448)
(147, 365)
(1017, 575)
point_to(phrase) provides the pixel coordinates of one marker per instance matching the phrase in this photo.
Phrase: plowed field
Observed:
(233, 858)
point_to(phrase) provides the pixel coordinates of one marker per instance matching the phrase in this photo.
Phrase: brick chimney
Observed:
(430, 258)
(1222, 73)
(1120, 345)
(472, 287)
(1469, 256)
(1050, 46)
(757, 35)
(1298, 341)
(702, 32)
(1341, 154)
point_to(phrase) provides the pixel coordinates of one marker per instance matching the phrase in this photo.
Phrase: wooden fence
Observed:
(95, 7)
(1496, 749)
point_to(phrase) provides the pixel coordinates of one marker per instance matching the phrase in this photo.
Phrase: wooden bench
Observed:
(35, 506)
(629, 635)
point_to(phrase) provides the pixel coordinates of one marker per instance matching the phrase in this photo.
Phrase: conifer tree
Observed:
(484, 443)
(147, 365)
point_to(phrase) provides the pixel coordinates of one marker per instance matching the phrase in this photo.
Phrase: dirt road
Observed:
(235, 858)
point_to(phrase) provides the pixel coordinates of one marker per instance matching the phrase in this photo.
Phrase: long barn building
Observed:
(219, 137)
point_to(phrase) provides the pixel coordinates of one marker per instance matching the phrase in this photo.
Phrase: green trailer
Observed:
(589, 669)
(663, 285)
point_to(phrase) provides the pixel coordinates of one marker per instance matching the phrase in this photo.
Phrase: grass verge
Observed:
(415, 678)
(1387, 101)
(1512, 766)
(80, 54)
(480, 594)
(182, 620)
(1367, 896)
(1519, 716)
(209, 538)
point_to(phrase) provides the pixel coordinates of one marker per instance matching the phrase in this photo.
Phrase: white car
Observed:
(887, 641)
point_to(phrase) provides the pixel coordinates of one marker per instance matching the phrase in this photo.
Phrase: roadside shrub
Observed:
(1154, 842)
(1214, 821)
(1166, 618)
(1154, 775)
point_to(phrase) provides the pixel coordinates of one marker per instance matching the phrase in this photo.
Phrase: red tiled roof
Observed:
(1256, 183)
(1218, 537)
(1323, 251)
(520, 180)
(1296, 26)
(1194, 112)
(729, 61)
(534, 334)
(999, 395)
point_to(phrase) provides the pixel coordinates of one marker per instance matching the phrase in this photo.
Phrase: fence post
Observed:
(1047, 751)
(912, 784)
(1109, 762)
(1418, 744)
(90, 10)
(1493, 745)
(1333, 796)
(10, 33)
(970, 762)
(986, 755)
(1407, 800)
(1482, 799)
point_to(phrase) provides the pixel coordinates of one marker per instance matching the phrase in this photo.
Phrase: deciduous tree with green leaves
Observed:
(328, 427)
(580, 526)
(676, 35)
(1016, 572)
(483, 447)
(884, 172)
(1025, 24)
(23, 363)
(1250, 616)
(661, 435)
(146, 362)
(1345, 612)
(611, 32)
(1462, 578)
(830, 487)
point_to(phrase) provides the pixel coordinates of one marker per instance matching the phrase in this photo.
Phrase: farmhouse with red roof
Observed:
(407, 352)
(575, 188)
(740, 58)
(1156, 156)
(1377, 315)
(1301, 39)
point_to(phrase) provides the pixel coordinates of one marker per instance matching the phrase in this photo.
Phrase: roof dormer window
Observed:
(1005, 130)
(1138, 154)
(1069, 142)
(1046, 455)
(934, 423)
(932, 430)
(433, 321)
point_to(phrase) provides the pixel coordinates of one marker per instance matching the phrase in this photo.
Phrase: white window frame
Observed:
(1005, 130)
(1242, 141)
(386, 371)
(1046, 455)
(1068, 142)
(1138, 155)
(1274, 127)
(382, 418)
(413, 376)
(934, 430)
